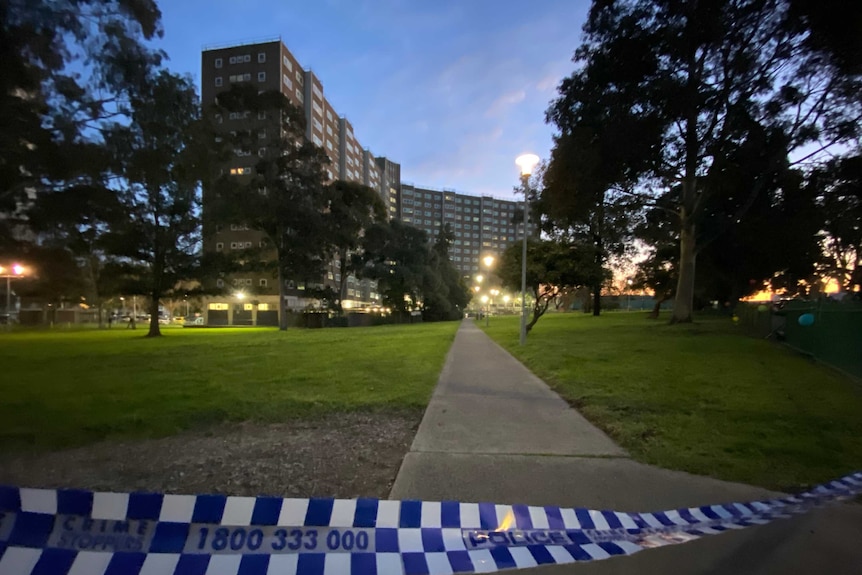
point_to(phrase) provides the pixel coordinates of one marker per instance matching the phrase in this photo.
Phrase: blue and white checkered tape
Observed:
(73, 532)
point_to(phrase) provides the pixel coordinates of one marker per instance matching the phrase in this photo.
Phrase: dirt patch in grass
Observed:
(344, 455)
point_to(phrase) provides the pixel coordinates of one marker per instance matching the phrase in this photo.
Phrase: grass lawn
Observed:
(63, 389)
(700, 398)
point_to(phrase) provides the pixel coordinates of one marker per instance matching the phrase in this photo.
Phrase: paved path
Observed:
(495, 432)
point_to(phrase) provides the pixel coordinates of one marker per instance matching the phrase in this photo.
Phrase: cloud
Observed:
(548, 83)
(505, 101)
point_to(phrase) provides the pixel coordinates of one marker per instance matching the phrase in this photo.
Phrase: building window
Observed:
(248, 245)
(261, 152)
(299, 95)
(219, 283)
(261, 57)
(329, 130)
(261, 135)
(261, 115)
(263, 306)
(317, 92)
(261, 76)
(219, 246)
(317, 108)
(299, 77)
(287, 63)
(317, 141)
(218, 62)
(287, 82)
(218, 81)
(218, 306)
(262, 283)
(329, 145)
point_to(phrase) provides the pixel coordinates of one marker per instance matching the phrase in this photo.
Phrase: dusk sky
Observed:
(453, 90)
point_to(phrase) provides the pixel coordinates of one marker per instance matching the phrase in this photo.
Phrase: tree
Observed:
(78, 219)
(66, 64)
(715, 77)
(580, 200)
(397, 256)
(285, 196)
(444, 295)
(838, 186)
(352, 209)
(553, 269)
(160, 161)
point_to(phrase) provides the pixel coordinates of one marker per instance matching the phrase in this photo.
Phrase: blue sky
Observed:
(452, 90)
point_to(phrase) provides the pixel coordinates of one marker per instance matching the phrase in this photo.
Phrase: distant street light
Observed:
(14, 271)
(526, 162)
(629, 296)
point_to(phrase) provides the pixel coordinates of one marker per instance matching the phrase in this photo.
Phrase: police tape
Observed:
(73, 532)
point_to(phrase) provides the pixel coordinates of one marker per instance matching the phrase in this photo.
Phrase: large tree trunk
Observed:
(154, 316)
(683, 302)
(597, 299)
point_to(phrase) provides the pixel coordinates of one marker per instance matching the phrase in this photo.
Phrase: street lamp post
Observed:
(494, 293)
(526, 162)
(629, 296)
(13, 271)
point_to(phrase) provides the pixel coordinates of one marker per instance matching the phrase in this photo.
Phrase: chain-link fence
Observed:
(829, 330)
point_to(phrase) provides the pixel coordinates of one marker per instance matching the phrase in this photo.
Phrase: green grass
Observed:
(700, 398)
(63, 389)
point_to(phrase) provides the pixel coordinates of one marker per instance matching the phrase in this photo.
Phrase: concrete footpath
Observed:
(495, 432)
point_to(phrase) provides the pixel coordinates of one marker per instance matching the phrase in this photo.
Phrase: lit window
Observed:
(261, 76)
(218, 81)
(218, 306)
(263, 306)
(261, 57)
